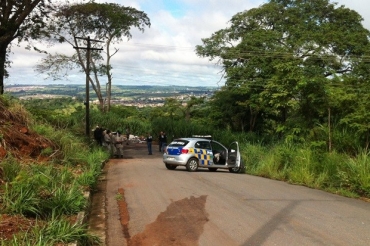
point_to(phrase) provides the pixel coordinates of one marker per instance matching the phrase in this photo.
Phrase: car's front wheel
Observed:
(192, 165)
(171, 167)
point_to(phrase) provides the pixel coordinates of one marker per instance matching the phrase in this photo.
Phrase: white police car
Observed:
(197, 152)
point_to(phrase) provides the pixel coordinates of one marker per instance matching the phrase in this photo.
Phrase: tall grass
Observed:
(253, 155)
(11, 168)
(19, 198)
(92, 170)
(41, 190)
(56, 231)
(357, 174)
(302, 170)
(302, 165)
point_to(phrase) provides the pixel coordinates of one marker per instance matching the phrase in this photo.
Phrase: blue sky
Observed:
(163, 54)
(175, 7)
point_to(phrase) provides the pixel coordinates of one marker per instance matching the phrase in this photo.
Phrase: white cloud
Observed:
(164, 53)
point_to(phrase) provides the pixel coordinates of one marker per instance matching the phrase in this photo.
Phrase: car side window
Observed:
(216, 147)
(202, 145)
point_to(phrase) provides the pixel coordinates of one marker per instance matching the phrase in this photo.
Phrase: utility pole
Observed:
(87, 103)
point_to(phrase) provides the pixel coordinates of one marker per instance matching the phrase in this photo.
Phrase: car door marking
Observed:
(203, 155)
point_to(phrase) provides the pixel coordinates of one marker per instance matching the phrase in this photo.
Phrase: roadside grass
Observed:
(50, 192)
(11, 167)
(334, 172)
(57, 231)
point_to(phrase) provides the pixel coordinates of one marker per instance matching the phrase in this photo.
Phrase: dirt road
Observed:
(140, 202)
(108, 214)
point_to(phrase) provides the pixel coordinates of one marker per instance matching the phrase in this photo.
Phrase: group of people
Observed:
(112, 141)
(162, 142)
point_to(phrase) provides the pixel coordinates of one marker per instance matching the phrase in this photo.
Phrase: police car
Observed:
(201, 152)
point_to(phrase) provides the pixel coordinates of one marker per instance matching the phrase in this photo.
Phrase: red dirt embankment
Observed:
(18, 141)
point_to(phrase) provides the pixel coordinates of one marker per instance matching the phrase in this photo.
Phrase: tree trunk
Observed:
(252, 119)
(329, 129)
(95, 83)
(109, 75)
(2, 67)
(367, 141)
(109, 91)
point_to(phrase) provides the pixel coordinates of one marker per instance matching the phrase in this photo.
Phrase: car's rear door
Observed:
(203, 152)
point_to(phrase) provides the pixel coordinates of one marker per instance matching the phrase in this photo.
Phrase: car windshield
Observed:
(178, 143)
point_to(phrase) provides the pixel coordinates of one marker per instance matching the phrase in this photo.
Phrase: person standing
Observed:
(159, 141)
(112, 143)
(107, 141)
(149, 139)
(162, 141)
(98, 135)
(118, 142)
(127, 135)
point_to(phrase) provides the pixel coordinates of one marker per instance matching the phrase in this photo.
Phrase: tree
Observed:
(173, 109)
(20, 20)
(284, 56)
(108, 22)
(356, 97)
(191, 104)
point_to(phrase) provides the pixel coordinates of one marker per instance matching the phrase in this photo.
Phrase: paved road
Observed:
(218, 208)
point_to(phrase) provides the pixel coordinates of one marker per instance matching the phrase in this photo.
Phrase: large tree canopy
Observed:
(284, 55)
(18, 20)
(108, 22)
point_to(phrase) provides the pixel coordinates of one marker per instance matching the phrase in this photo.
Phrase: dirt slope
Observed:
(18, 141)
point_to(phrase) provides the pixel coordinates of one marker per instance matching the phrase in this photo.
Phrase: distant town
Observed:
(130, 95)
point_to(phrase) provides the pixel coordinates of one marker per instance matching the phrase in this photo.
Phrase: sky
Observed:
(163, 54)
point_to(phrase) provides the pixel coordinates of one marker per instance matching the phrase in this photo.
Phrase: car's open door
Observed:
(234, 159)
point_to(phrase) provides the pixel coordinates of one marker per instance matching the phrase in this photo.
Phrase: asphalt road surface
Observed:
(140, 202)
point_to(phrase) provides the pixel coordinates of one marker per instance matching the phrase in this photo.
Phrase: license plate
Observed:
(170, 158)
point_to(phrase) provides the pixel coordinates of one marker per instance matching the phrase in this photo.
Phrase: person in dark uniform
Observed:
(98, 135)
(159, 142)
(149, 139)
(162, 141)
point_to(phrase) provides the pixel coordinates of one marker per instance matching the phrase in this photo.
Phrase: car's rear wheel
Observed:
(171, 167)
(234, 169)
(192, 165)
(239, 169)
(212, 169)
